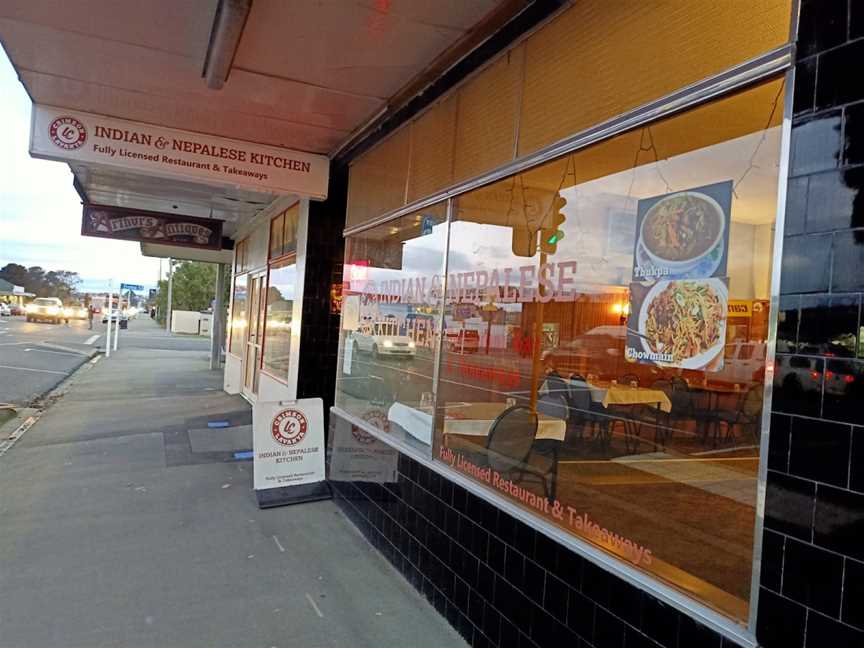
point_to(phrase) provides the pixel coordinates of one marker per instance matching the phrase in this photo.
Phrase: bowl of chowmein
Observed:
(681, 228)
(682, 323)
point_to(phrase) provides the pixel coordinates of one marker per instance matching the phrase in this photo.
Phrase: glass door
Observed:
(255, 310)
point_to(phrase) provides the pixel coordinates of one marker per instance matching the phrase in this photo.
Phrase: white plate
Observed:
(703, 359)
(685, 264)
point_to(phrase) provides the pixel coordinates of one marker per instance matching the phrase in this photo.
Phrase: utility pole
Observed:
(169, 303)
(108, 312)
(217, 330)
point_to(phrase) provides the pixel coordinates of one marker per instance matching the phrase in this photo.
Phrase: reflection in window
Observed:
(391, 307)
(604, 341)
(238, 316)
(279, 312)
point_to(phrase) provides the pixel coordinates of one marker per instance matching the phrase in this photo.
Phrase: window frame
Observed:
(775, 64)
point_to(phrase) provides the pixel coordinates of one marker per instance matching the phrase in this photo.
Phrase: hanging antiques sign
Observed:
(72, 136)
(151, 227)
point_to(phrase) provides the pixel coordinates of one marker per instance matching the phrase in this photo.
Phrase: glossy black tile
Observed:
(796, 206)
(546, 551)
(778, 442)
(856, 19)
(789, 503)
(822, 631)
(839, 521)
(806, 265)
(492, 625)
(829, 325)
(798, 384)
(819, 450)
(853, 594)
(849, 255)
(626, 602)
(548, 631)
(779, 621)
(812, 577)
(569, 567)
(835, 84)
(832, 201)
(772, 560)
(692, 634)
(635, 639)
(597, 584)
(534, 580)
(787, 323)
(555, 597)
(816, 143)
(660, 621)
(844, 389)
(608, 630)
(853, 134)
(580, 614)
(514, 569)
(822, 25)
(856, 464)
(805, 86)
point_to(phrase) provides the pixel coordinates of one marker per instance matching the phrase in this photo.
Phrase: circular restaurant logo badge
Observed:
(289, 427)
(67, 133)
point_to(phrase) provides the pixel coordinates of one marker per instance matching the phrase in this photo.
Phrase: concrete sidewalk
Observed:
(113, 532)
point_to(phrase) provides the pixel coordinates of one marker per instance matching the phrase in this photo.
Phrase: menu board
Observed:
(683, 235)
(680, 294)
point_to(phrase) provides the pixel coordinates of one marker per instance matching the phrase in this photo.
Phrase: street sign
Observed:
(125, 286)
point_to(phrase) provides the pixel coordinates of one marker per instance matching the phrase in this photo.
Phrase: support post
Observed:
(217, 331)
(108, 315)
(169, 302)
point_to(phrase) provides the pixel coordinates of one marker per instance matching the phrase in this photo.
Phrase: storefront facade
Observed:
(580, 299)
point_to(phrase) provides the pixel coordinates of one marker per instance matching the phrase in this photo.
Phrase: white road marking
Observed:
(314, 606)
(92, 339)
(278, 544)
(66, 353)
(12, 343)
(62, 373)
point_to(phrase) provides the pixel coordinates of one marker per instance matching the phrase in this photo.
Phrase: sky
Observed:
(40, 211)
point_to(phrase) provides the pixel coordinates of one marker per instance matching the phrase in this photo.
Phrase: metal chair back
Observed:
(511, 437)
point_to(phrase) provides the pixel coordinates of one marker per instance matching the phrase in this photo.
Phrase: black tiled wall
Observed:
(812, 592)
(319, 335)
(499, 582)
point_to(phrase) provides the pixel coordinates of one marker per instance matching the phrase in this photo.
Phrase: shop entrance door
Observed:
(255, 317)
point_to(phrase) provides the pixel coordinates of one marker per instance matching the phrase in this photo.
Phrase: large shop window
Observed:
(238, 322)
(391, 312)
(605, 328)
(279, 315)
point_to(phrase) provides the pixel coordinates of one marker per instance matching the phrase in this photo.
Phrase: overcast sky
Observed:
(40, 212)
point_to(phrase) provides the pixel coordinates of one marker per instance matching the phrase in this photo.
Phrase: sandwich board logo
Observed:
(289, 427)
(67, 133)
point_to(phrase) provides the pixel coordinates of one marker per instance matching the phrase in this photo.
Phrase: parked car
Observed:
(5, 311)
(462, 341)
(383, 340)
(45, 309)
(75, 311)
(16, 309)
(114, 314)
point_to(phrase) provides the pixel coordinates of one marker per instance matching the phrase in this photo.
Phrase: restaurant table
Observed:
(616, 394)
(465, 419)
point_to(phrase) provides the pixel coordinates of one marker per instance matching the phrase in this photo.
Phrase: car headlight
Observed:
(53, 310)
(30, 308)
(388, 343)
(67, 312)
(411, 345)
(82, 312)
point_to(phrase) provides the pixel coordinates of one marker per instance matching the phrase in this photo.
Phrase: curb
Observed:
(89, 353)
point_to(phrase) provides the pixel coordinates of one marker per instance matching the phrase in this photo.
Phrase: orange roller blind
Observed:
(432, 139)
(376, 182)
(604, 57)
(486, 126)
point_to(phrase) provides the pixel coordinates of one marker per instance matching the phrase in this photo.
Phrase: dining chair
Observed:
(512, 443)
(747, 415)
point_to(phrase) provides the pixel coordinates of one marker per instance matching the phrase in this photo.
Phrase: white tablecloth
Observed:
(469, 419)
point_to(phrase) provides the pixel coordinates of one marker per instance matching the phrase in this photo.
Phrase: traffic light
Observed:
(551, 235)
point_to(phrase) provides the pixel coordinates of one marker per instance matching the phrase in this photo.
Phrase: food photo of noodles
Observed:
(682, 323)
